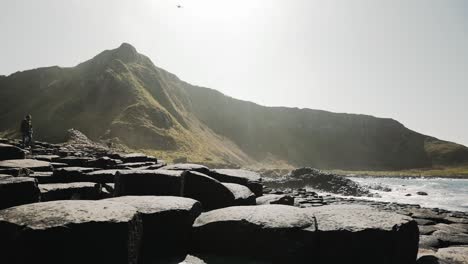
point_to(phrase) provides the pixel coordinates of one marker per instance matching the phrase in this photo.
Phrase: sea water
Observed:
(449, 194)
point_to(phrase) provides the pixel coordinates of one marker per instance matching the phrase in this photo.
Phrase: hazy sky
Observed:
(407, 60)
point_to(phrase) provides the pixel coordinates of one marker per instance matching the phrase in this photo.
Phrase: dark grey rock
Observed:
(9, 152)
(275, 199)
(101, 176)
(103, 163)
(279, 233)
(148, 182)
(188, 167)
(167, 223)
(73, 232)
(427, 230)
(134, 157)
(450, 239)
(421, 193)
(211, 193)
(429, 242)
(70, 191)
(71, 174)
(320, 180)
(242, 194)
(353, 231)
(452, 228)
(73, 161)
(30, 164)
(134, 165)
(17, 172)
(429, 259)
(244, 177)
(17, 191)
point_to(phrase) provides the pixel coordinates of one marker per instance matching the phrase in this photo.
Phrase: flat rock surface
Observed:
(156, 204)
(61, 213)
(271, 216)
(353, 230)
(279, 233)
(70, 232)
(455, 255)
(187, 166)
(31, 164)
(148, 182)
(356, 218)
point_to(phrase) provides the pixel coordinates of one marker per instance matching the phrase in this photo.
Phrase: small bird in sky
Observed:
(179, 6)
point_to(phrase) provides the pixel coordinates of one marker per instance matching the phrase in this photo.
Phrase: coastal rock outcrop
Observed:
(167, 223)
(9, 152)
(247, 178)
(211, 193)
(18, 190)
(319, 180)
(72, 232)
(148, 182)
(281, 233)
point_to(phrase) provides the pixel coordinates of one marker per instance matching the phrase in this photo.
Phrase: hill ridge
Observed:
(120, 96)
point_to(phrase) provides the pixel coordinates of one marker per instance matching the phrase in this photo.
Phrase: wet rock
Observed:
(9, 152)
(17, 191)
(74, 232)
(211, 193)
(148, 182)
(275, 199)
(279, 233)
(243, 177)
(167, 223)
(70, 191)
(340, 226)
(242, 194)
(30, 164)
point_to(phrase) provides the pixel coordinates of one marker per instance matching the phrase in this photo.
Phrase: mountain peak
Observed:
(126, 52)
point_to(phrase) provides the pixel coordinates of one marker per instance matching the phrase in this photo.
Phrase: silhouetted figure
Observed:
(27, 131)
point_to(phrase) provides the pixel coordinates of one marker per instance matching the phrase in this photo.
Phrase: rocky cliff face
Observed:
(121, 95)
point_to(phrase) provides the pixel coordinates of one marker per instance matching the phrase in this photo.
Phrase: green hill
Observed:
(122, 97)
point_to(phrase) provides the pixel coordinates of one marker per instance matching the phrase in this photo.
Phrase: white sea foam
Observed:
(449, 194)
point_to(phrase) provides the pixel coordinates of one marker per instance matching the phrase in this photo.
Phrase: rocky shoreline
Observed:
(81, 202)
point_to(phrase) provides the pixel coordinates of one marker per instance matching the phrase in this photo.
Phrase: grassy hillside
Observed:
(121, 96)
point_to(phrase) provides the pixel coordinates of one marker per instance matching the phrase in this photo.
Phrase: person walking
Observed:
(27, 131)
